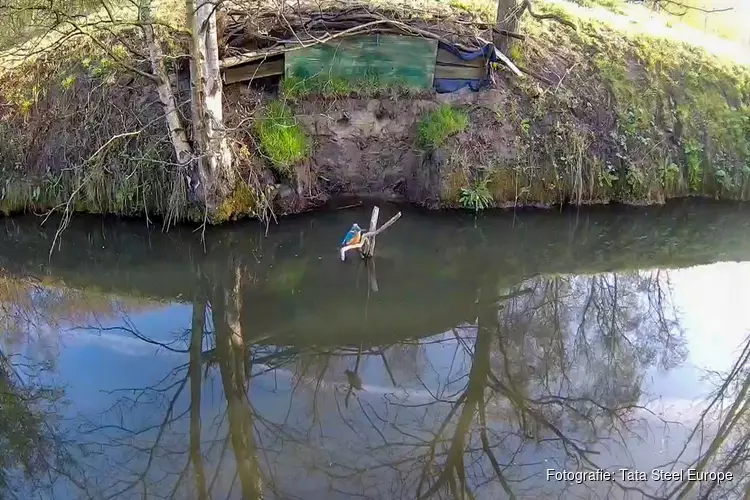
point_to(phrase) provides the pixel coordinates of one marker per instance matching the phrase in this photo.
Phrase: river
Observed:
(576, 354)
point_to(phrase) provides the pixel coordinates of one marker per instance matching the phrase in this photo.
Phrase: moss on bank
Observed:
(629, 118)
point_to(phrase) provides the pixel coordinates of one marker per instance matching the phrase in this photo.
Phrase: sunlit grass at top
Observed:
(637, 20)
(627, 18)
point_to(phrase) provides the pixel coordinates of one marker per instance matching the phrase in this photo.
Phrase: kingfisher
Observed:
(353, 237)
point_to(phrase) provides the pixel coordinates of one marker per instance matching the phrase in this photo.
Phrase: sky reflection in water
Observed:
(563, 371)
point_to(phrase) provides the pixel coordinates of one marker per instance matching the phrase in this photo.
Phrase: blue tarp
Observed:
(444, 85)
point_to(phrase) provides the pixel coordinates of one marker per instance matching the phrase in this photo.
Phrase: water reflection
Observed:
(265, 368)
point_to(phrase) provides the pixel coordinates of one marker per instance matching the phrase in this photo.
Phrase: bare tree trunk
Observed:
(215, 170)
(506, 21)
(230, 349)
(196, 347)
(178, 137)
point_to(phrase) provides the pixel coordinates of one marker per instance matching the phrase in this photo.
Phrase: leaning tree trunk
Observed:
(506, 21)
(226, 307)
(177, 135)
(214, 168)
(196, 349)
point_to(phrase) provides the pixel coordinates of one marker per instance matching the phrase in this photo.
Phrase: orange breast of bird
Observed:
(355, 240)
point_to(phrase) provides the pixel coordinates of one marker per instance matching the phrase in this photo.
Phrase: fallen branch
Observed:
(539, 77)
(510, 34)
(526, 6)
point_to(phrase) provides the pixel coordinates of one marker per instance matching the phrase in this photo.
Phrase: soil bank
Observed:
(610, 116)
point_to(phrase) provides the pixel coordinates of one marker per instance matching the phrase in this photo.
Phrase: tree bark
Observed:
(196, 348)
(226, 305)
(507, 21)
(177, 135)
(214, 168)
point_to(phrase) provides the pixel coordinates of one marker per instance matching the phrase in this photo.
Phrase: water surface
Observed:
(467, 360)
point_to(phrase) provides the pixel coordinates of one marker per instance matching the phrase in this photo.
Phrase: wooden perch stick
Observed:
(366, 245)
(369, 248)
(382, 228)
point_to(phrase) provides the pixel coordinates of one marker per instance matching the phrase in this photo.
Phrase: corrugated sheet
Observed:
(391, 59)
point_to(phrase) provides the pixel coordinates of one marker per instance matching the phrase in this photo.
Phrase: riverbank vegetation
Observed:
(614, 105)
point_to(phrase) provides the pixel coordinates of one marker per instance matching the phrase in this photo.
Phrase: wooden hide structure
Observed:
(270, 66)
(453, 67)
(412, 61)
(385, 59)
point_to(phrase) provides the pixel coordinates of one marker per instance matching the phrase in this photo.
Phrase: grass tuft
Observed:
(282, 140)
(476, 197)
(440, 124)
(367, 86)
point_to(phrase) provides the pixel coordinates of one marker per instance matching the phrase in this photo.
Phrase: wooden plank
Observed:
(459, 72)
(389, 59)
(254, 70)
(445, 57)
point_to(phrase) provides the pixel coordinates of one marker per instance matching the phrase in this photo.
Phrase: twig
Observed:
(539, 77)
(567, 72)
(691, 7)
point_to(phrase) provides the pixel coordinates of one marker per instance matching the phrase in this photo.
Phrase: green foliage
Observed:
(694, 157)
(660, 87)
(517, 53)
(440, 124)
(670, 175)
(607, 179)
(68, 82)
(282, 140)
(476, 197)
(368, 85)
(526, 127)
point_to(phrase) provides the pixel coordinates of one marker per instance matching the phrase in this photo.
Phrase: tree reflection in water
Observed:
(551, 374)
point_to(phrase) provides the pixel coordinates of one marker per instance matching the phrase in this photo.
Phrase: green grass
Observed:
(476, 197)
(440, 124)
(679, 88)
(282, 140)
(367, 86)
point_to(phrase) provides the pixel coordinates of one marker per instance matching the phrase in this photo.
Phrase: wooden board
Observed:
(254, 70)
(390, 59)
(460, 72)
(445, 57)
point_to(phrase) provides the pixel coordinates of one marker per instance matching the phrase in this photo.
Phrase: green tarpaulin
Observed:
(388, 59)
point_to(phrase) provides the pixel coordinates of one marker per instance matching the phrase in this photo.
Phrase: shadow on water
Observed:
(491, 352)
